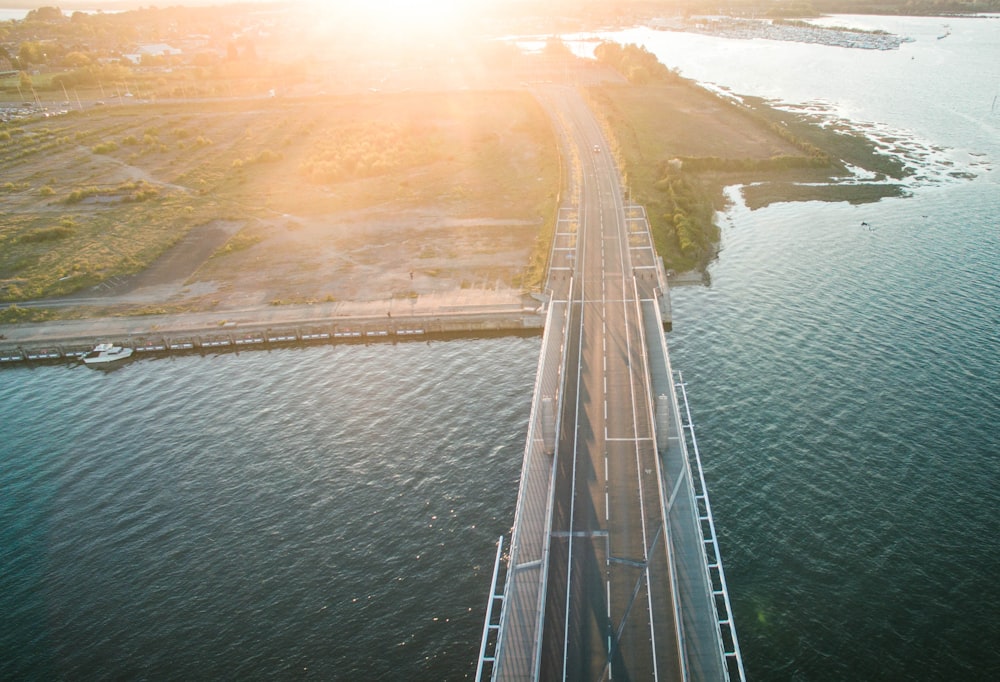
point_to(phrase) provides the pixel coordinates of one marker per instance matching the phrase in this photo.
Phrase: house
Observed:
(152, 50)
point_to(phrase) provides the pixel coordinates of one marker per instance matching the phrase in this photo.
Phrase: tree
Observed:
(30, 53)
(76, 60)
(555, 47)
(636, 63)
(48, 14)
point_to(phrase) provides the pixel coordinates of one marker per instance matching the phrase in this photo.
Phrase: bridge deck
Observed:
(608, 576)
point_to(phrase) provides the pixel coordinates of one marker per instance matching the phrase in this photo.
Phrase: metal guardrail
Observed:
(709, 638)
(519, 630)
(713, 557)
(489, 627)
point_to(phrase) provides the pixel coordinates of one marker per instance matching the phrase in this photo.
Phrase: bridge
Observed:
(613, 569)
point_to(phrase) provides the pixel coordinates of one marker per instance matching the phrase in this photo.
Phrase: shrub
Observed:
(369, 149)
(15, 314)
(78, 195)
(46, 234)
(267, 156)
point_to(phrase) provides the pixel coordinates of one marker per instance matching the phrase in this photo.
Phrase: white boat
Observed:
(106, 352)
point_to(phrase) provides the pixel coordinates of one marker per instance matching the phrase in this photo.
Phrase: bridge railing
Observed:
(711, 649)
(519, 632)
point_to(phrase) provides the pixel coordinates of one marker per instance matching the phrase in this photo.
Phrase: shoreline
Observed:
(739, 28)
(457, 315)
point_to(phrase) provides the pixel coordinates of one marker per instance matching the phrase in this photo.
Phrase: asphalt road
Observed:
(609, 603)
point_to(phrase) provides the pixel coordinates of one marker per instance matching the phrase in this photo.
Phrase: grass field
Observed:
(101, 193)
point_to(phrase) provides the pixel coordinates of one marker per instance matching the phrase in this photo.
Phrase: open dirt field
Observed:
(277, 201)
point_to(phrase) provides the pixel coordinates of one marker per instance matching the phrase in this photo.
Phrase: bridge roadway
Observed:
(593, 591)
(609, 605)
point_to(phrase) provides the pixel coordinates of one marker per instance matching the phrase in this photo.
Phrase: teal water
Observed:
(846, 394)
(330, 512)
(323, 513)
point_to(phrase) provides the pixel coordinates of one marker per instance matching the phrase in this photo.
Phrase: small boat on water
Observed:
(106, 352)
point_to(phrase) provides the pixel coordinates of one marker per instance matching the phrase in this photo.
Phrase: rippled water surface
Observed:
(845, 389)
(330, 511)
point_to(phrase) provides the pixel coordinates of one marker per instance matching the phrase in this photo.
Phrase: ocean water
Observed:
(330, 512)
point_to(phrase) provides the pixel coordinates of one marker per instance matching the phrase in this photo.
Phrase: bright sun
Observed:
(390, 17)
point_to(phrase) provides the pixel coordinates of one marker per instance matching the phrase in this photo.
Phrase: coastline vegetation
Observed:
(679, 146)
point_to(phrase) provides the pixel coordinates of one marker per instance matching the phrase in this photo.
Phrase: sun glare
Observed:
(396, 17)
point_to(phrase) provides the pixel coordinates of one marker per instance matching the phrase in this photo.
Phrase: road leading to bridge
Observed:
(609, 608)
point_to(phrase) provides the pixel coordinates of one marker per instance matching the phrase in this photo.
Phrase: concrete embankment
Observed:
(276, 325)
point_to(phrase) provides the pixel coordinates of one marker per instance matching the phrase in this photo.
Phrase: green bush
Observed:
(15, 314)
(78, 195)
(687, 218)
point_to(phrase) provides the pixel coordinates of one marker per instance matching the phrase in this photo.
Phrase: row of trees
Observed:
(688, 225)
(637, 64)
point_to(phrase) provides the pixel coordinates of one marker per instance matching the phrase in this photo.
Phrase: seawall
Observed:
(153, 335)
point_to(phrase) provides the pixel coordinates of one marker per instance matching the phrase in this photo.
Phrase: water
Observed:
(845, 389)
(330, 512)
(325, 512)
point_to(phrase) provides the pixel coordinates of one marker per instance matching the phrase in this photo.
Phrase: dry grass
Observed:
(419, 162)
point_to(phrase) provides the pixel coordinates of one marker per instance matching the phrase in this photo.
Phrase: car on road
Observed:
(597, 149)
